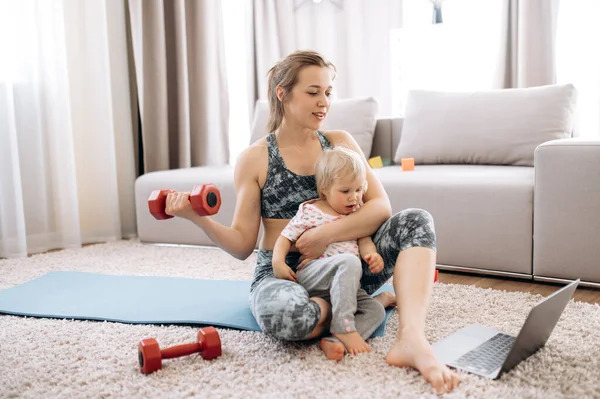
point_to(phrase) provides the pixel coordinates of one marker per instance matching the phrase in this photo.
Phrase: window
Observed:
(460, 54)
(235, 31)
(578, 60)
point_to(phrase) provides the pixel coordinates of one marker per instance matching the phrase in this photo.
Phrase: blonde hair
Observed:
(285, 75)
(337, 163)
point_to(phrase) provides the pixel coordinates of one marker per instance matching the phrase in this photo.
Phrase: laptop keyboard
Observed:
(488, 356)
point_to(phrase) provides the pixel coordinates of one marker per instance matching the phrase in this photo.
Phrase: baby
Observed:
(341, 181)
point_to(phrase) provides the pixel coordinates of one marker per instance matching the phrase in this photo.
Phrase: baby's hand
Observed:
(283, 271)
(375, 262)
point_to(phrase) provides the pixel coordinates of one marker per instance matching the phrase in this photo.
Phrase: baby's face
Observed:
(345, 194)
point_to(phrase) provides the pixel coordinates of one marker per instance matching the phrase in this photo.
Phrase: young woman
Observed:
(275, 175)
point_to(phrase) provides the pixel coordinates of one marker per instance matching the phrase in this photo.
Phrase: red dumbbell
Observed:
(205, 199)
(150, 355)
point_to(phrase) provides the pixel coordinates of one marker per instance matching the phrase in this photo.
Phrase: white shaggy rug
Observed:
(46, 358)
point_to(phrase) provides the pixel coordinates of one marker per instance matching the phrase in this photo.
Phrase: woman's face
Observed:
(308, 103)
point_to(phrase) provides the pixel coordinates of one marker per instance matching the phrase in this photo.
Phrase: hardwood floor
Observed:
(583, 294)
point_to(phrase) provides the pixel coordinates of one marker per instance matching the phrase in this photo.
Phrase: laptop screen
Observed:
(539, 325)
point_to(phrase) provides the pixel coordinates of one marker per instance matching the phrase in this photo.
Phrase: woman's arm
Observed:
(364, 222)
(240, 239)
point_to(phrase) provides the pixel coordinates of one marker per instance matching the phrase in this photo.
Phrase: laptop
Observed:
(489, 353)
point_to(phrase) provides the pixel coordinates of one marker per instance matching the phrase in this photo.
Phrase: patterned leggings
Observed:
(283, 308)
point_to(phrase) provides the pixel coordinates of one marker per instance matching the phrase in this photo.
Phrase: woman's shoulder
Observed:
(261, 142)
(256, 149)
(254, 155)
(337, 137)
(342, 138)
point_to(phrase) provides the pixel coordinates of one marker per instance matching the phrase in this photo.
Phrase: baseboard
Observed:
(473, 270)
(565, 281)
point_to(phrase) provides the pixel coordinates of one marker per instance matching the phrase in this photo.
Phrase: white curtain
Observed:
(528, 43)
(66, 139)
(353, 34)
(578, 60)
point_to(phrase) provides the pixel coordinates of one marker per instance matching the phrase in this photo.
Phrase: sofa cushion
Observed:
(357, 116)
(497, 127)
(483, 214)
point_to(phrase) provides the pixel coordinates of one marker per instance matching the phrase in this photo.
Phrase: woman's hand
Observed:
(283, 271)
(178, 204)
(312, 243)
(375, 262)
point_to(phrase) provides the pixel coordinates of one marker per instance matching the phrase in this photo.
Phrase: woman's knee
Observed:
(414, 227)
(417, 213)
(322, 325)
(415, 217)
(283, 310)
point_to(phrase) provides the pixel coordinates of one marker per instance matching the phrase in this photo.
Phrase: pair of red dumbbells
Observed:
(150, 356)
(205, 199)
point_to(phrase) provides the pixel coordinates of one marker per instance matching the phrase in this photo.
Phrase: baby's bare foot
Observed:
(353, 342)
(413, 350)
(386, 298)
(333, 350)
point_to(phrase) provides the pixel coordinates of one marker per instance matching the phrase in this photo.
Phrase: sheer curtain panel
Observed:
(66, 139)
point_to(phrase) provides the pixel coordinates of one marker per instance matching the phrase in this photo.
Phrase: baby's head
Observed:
(341, 178)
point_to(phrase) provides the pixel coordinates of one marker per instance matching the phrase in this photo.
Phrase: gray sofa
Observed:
(535, 222)
(510, 192)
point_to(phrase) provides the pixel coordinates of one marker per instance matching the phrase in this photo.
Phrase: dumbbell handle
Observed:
(180, 350)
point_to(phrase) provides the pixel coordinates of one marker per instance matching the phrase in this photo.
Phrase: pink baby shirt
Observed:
(309, 216)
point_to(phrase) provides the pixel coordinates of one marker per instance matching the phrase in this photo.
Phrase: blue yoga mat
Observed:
(137, 300)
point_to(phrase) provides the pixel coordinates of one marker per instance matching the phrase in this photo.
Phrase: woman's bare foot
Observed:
(333, 350)
(411, 349)
(386, 298)
(353, 342)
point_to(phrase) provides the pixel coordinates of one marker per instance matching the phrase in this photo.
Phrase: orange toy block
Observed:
(408, 164)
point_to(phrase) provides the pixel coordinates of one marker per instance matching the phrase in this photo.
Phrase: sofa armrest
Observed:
(566, 227)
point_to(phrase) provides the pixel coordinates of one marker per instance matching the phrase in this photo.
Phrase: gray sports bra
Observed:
(284, 190)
